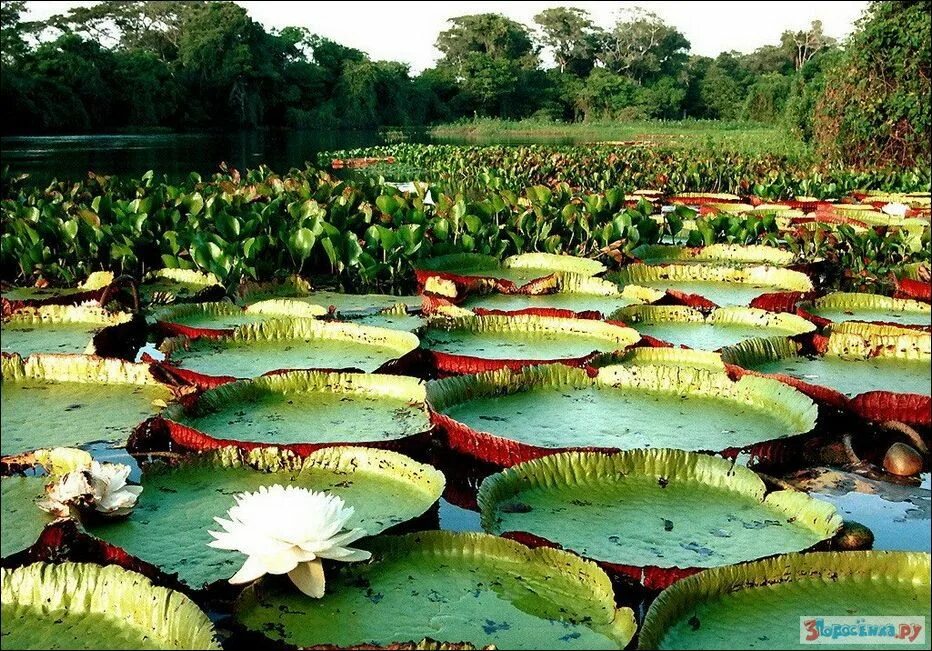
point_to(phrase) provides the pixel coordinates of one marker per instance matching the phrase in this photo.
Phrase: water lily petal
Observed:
(309, 578)
(251, 570)
(346, 554)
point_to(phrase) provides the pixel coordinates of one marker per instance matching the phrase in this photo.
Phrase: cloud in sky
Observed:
(406, 31)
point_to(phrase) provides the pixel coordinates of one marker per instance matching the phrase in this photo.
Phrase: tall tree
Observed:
(154, 26)
(806, 43)
(644, 47)
(493, 60)
(493, 35)
(571, 36)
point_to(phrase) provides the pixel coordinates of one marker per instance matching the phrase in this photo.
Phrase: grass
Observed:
(744, 137)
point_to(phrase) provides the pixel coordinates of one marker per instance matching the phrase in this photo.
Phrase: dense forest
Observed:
(166, 64)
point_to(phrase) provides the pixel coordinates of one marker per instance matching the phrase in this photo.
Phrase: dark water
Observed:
(177, 154)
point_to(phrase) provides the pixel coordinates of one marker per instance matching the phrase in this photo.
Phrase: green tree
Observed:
(572, 37)
(494, 62)
(875, 109)
(644, 47)
(724, 86)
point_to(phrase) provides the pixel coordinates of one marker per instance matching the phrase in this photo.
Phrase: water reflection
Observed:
(175, 154)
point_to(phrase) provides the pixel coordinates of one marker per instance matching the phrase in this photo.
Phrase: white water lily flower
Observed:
(112, 496)
(100, 486)
(70, 488)
(895, 209)
(287, 530)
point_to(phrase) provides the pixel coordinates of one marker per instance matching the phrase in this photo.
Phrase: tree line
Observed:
(169, 64)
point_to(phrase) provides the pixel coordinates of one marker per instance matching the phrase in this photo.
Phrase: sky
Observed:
(406, 31)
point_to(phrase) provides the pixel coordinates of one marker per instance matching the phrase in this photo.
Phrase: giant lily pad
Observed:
(221, 318)
(169, 526)
(60, 329)
(725, 326)
(24, 520)
(445, 275)
(91, 289)
(303, 410)
(723, 286)
(885, 371)
(664, 509)
(255, 349)
(165, 286)
(470, 587)
(872, 308)
(729, 254)
(572, 294)
(85, 606)
(762, 603)
(349, 306)
(73, 400)
(506, 417)
(380, 310)
(470, 343)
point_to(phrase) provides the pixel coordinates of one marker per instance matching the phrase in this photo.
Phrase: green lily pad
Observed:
(726, 326)
(624, 407)
(724, 286)
(572, 292)
(456, 586)
(57, 328)
(349, 306)
(392, 321)
(24, 520)
(653, 508)
(178, 503)
(73, 400)
(165, 286)
(214, 316)
(519, 269)
(310, 407)
(95, 281)
(524, 337)
(841, 306)
(761, 604)
(729, 254)
(255, 349)
(850, 365)
(85, 606)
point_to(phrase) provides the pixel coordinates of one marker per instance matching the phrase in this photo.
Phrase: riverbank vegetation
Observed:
(188, 65)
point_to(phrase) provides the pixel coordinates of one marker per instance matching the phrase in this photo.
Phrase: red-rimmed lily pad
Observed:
(286, 344)
(71, 329)
(92, 289)
(169, 526)
(725, 326)
(571, 295)
(764, 602)
(79, 399)
(167, 286)
(86, 606)
(220, 318)
(720, 286)
(652, 513)
(469, 344)
(471, 587)
(871, 308)
(302, 411)
(457, 275)
(879, 372)
(727, 254)
(505, 417)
